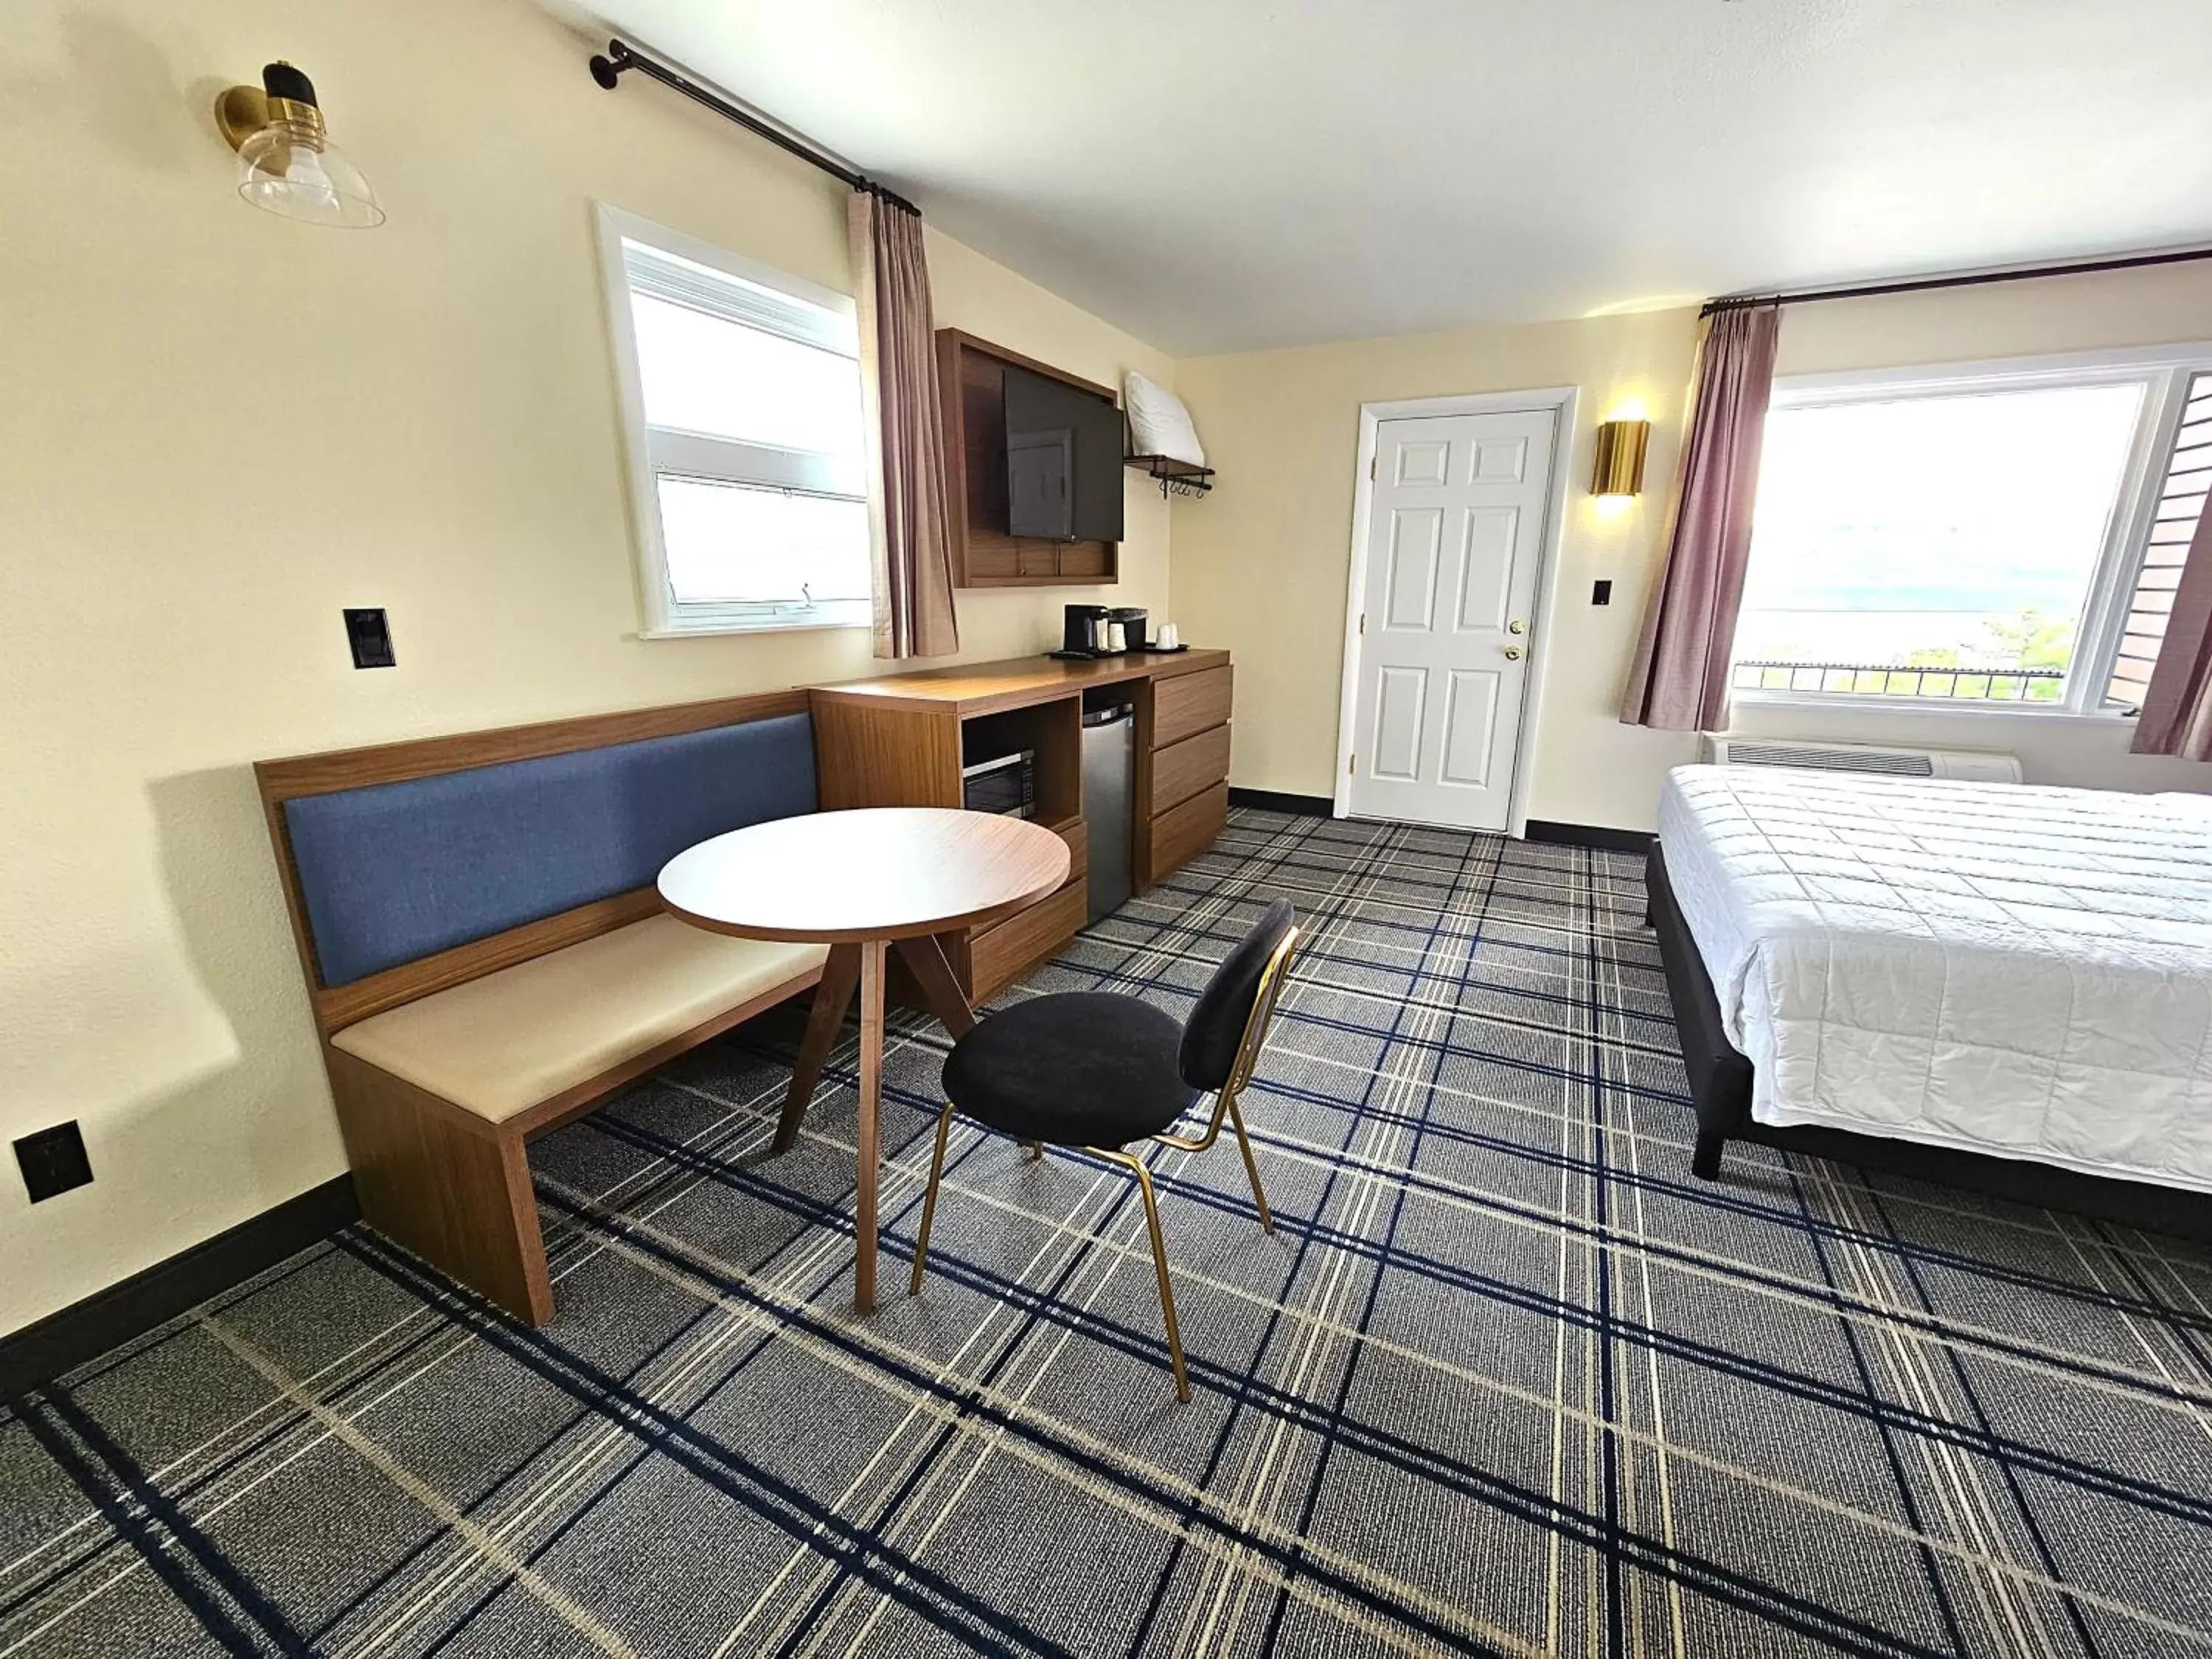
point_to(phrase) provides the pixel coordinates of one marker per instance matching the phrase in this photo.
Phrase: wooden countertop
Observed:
(984, 688)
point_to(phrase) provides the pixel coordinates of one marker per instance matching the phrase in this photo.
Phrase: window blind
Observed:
(2180, 505)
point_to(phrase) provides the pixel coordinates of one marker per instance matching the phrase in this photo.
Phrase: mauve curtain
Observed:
(1680, 678)
(2177, 711)
(898, 373)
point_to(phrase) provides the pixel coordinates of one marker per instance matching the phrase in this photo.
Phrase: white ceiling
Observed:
(1220, 175)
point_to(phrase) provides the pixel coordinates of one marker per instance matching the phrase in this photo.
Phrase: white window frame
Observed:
(648, 453)
(2163, 373)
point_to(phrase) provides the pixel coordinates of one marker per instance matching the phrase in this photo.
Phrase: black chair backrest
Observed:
(1215, 1029)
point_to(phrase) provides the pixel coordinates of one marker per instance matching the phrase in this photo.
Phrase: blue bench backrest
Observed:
(395, 872)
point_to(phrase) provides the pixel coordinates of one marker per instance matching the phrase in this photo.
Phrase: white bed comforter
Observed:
(2020, 971)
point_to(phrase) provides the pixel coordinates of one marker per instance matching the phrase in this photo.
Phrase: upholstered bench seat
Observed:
(486, 955)
(525, 1035)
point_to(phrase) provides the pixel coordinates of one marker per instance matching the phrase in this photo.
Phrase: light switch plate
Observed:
(53, 1161)
(370, 636)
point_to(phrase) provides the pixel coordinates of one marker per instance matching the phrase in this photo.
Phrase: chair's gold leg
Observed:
(929, 1201)
(1034, 1148)
(1252, 1169)
(1160, 1266)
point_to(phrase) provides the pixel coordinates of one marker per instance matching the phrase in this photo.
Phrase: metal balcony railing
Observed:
(1889, 680)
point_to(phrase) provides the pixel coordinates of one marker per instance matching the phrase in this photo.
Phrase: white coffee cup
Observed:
(1169, 638)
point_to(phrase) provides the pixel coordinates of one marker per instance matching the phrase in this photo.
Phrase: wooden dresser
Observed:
(902, 739)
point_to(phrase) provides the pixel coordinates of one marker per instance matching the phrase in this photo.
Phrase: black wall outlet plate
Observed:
(370, 636)
(53, 1161)
(1602, 593)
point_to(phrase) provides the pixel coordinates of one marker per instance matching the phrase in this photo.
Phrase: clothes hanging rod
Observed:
(607, 67)
(1970, 279)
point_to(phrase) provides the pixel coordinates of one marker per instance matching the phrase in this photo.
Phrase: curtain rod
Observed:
(607, 69)
(1974, 279)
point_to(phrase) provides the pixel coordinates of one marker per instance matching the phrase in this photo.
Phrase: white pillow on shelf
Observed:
(1158, 423)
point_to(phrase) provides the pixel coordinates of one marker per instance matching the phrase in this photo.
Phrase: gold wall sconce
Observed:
(1618, 469)
(287, 163)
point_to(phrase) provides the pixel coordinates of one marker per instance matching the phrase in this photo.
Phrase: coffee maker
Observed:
(1084, 632)
(1131, 620)
(1094, 630)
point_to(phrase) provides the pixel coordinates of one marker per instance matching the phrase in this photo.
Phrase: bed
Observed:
(2004, 987)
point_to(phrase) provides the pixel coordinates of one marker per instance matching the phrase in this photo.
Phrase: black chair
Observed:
(1098, 1071)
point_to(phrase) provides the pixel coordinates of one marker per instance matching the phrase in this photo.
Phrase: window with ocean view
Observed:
(1976, 539)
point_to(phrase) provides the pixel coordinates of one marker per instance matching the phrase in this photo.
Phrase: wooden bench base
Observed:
(446, 1180)
(455, 1187)
(450, 1186)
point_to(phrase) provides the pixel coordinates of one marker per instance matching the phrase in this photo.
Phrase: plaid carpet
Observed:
(1506, 1380)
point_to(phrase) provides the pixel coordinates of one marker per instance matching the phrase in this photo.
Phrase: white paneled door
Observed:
(1454, 536)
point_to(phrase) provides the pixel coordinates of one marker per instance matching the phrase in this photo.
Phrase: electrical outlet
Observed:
(53, 1161)
(370, 637)
(1602, 593)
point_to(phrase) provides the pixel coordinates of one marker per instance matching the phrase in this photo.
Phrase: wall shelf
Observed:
(1183, 477)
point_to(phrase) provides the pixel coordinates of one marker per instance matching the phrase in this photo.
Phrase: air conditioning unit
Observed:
(1967, 765)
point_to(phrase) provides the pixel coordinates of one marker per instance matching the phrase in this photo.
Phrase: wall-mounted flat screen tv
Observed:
(1063, 461)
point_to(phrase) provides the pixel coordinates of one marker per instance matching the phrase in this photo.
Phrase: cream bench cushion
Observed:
(498, 1045)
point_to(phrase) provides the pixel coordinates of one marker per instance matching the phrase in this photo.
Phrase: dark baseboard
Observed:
(1589, 834)
(39, 1353)
(1563, 834)
(1310, 807)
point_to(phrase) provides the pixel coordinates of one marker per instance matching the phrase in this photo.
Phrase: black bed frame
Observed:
(1720, 1089)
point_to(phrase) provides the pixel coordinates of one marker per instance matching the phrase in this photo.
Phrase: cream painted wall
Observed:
(1261, 563)
(220, 428)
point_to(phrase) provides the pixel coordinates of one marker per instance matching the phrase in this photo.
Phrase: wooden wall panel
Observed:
(870, 757)
(423, 757)
(972, 400)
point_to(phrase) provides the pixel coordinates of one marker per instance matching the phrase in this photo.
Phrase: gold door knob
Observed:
(1513, 654)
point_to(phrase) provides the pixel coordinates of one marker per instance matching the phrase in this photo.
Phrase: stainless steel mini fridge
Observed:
(1109, 781)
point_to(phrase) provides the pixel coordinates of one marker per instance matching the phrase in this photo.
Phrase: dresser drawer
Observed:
(998, 954)
(1181, 833)
(1184, 770)
(1183, 705)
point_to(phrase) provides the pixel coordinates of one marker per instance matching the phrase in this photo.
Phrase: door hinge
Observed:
(1351, 766)
(1363, 621)
(1370, 469)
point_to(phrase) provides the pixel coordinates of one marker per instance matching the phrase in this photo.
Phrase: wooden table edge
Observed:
(878, 932)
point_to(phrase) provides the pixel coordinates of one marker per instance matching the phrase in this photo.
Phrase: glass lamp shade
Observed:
(290, 167)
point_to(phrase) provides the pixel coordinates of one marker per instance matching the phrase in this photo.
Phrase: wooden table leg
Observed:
(940, 987)
(871, 1095)
(832, 997)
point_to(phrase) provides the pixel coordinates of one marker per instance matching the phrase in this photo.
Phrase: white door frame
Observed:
(1562, 399)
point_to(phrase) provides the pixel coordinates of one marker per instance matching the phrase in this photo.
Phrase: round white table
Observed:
(865, 882)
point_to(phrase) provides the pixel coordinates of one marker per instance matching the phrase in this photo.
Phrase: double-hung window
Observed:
(2002, 536)
(742, 404)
